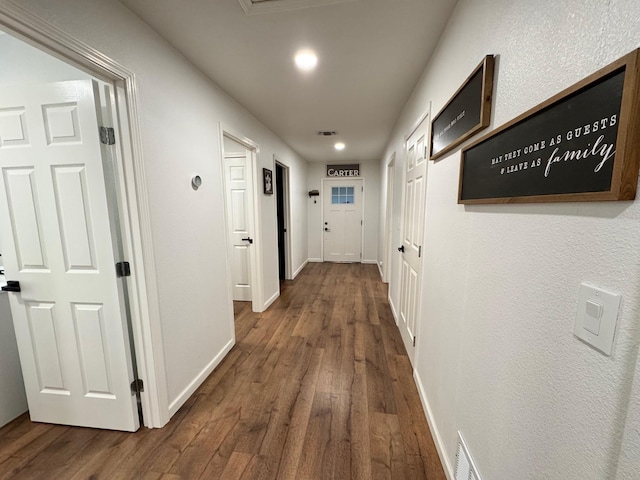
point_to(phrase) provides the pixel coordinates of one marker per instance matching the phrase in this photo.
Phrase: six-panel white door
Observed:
(239, 198)
(56, 238)
(342, 224)
(412, 233)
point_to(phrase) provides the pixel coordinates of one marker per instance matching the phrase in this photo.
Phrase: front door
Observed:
(412, 234)
(238, 179)
(57, 243)
(342, 223)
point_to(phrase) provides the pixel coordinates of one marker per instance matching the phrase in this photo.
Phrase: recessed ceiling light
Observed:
(306, 60)
(339, 146)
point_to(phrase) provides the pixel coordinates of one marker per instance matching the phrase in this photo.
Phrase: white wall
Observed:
(180, 110)
(370, 173)
(13, 401)
(496, 358)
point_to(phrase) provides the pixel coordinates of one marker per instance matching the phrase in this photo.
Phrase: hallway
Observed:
(317, 387)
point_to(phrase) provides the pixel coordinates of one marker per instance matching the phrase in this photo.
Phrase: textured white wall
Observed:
(496, 355)
(370, 173)
(179, 114)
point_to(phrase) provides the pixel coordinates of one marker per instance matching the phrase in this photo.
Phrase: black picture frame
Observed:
(267, 181)
(466, 113)
(581, 145)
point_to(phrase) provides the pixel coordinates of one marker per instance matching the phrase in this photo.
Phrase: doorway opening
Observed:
(282, 214)
(239, 156)
(64, 211)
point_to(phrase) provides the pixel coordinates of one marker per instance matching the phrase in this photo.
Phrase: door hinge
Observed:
(419, 251)
(137, 386)
(414, 341)
(361, 222)
(107, 135)
(123, 269)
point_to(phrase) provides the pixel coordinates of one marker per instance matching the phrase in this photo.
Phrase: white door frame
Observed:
(321, 225)
(257, 288)
(287, 216)
(135, 221)
(388, 220)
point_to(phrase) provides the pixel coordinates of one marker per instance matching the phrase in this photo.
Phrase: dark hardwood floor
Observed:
(318, 387)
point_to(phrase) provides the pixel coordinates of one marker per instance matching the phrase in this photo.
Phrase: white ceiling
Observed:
(371, 54)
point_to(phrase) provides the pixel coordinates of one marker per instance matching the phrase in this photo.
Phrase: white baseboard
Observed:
(315, 260)
(380, 270)
(393, 308)
(273, 298)
(370, 262)
(295, 274)
(435, 434)
(200, 378)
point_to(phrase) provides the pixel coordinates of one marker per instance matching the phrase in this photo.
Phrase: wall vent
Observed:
(465, 468)
(252, 7)
(327, 133)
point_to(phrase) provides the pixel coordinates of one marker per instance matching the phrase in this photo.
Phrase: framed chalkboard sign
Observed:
(466, 113)
(582, 145)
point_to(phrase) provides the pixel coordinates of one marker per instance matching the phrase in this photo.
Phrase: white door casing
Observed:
(54, 215)
(415, 185)
(239, 193)
(342, 220)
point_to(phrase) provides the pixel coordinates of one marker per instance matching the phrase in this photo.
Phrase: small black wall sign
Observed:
(580, 145)
(352, 170)
(466, 113)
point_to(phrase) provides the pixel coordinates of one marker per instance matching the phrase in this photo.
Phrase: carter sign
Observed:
(343, 170)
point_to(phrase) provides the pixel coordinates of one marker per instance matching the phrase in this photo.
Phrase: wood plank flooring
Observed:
(317, 387)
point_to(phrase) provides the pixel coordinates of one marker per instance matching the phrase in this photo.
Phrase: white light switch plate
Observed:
(595, 302)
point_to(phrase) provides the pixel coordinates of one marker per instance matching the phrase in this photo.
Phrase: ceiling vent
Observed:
(254, 7)
(327, 133)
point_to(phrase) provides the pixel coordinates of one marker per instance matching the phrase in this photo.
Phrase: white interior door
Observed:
(56, 236)
(412, 233)
(239, 197)
(342, 223)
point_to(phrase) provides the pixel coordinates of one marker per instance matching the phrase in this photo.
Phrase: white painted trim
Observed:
(314, 260)
(364, 191)
(435, 433)
(200, 378)
(274, 6)
(417, 123)
(380, 269)
(390, 166)
(257, 287)
(145, 310)
(370, 262)
(287, 216)
(300, 268)
(394, 312)
(273, 298)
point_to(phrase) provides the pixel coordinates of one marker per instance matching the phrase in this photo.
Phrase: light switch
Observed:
(597, 317)
(593, 315)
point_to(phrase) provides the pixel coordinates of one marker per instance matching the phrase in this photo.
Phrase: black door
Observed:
(281, 223)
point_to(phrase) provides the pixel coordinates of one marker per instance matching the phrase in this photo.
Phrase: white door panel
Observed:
(342, 223)
(239, 192)
(412, 234)
(57, 241)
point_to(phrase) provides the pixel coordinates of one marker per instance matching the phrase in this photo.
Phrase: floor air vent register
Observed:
(465, 468)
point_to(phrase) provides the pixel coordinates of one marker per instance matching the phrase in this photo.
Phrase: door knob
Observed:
(401, 248)
(248, 239)
(11, 286)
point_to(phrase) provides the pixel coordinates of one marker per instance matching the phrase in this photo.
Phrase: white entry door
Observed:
(412, 233)
(239, 197)
(57, 243)
(342, 223)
